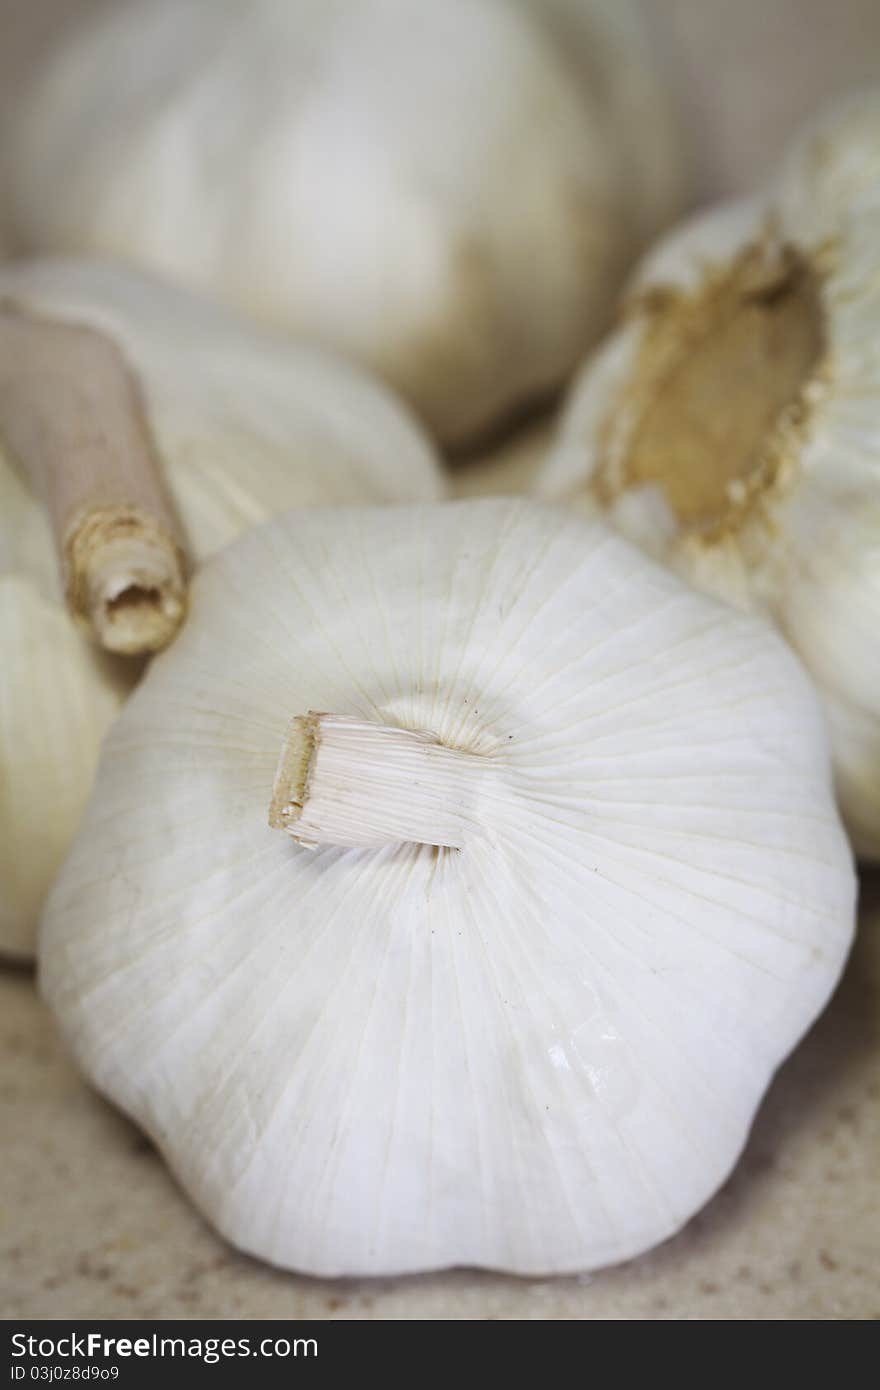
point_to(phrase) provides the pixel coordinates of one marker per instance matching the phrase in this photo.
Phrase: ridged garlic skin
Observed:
(539, 1053)
(444, 192)
(809, 552)
(246, 426)
(57, 698)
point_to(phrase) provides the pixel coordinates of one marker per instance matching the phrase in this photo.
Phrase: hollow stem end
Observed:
(125, 580)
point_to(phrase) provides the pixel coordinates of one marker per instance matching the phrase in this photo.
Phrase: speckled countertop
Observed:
(91, 1224)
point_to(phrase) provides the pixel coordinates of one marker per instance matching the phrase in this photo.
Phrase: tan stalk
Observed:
(71, 414)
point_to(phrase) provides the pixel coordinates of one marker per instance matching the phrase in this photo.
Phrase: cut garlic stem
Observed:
(344, 781)
(70, 413)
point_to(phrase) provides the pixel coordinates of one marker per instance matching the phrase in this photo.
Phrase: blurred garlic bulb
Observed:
(731, 425)
(626, 56)
(245, 425)
(58, 694)
(595, 890)
(448, 192)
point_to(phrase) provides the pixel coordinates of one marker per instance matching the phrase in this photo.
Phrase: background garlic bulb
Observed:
(625, 55)
(731, 425)
(447, 192)
(540, 1051)
(58, 694)
(245, 425)
(247, 422)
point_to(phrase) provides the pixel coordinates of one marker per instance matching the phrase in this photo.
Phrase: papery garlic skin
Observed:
(246, 425)
(538, 1052)
(58, 695)
(798, 536)
(443, 192)
(57, 698)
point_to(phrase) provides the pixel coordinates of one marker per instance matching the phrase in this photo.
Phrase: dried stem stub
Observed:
(71, 414)
(351, 782)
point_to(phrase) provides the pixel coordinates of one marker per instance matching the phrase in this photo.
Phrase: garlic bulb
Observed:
(625, 54)
(58, 694)
(731, 426)
(245, 425)
(446, 192)
(537, 1049)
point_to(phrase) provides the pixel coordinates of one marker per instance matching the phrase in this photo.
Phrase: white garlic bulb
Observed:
(245, 425)
(539, 1050)
(58, 694)
(731, 426)
(447, 192)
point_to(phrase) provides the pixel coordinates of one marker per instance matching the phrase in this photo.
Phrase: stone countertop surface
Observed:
(92, 1225)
